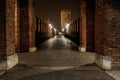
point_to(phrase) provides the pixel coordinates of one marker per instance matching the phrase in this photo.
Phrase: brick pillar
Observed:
(74, 26)
(17, 29)
(32, 24)
(82, 47)
(99, 24)
(102, 60)
(36, 24)
(27, 26)
(39, 29)
(78, 25)
(112, 30)
(9, 23)
(40, 25)
(24, 26)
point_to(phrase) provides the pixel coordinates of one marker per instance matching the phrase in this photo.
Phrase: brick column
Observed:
(102, 60)
(24, 25)
(108, 34)
(17, 28)
(36, 24)
(82, 47)
(78, 24)
(7, 48)
(39, 25)
(112, 30)
(32, 24)
(27, 26)
(99, 24)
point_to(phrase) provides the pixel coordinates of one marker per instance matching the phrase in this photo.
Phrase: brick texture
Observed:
(99, 27)
(83, 24)
(108, 29)
(7, 28)
(10, 26)
(27, 25)
(32, 24)
(112, 29)
(17, 28)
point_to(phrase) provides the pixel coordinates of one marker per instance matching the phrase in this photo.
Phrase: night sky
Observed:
(51, 9)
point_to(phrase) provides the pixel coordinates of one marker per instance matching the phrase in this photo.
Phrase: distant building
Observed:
(65, 17)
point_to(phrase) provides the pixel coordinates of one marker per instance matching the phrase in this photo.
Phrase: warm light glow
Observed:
(60, 33)
(67, 26)
(54, 29)
(63, 29)
(50, 26)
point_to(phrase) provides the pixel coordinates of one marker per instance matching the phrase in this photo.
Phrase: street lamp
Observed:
(67, 26)
(54, 29)
(50, 26)
(63, 29)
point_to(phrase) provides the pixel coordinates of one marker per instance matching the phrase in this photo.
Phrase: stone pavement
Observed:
(56, 65)
(114, 73)
(87, 72)
(58, 43)
(56, 58)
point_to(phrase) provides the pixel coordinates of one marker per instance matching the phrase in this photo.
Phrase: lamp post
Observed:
(67, 28)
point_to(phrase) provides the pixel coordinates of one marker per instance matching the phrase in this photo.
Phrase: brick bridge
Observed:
(96, 30)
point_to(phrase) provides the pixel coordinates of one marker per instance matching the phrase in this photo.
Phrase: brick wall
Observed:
(107, 28)
(27, 25)
(32, 24)
(11, 23)
(99, 27)
(17, 28)
(112, 29)
(7, 27)
(83, 24)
